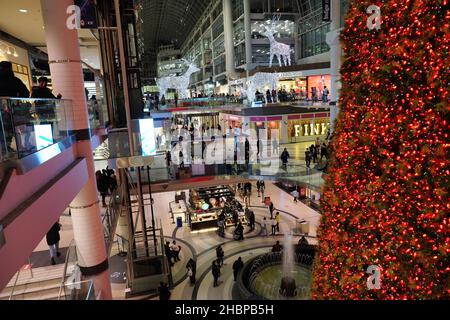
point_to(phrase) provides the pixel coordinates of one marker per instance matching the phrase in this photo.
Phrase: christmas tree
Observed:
(386, 196)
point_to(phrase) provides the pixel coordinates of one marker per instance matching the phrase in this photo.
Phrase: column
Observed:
(284, 129)
(67, 77)
(248, 35)
(335, 56)
(228, 38)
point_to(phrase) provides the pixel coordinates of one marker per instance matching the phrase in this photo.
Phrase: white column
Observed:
(228, 38)
(335, 55)
(67, 78)
(248, 35)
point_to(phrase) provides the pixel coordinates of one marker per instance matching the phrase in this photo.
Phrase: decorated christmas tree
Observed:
(386, 196)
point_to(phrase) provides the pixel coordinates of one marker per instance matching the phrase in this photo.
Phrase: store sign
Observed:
(147, 136)
(326, 10)
(82, 15)
(311, 129)
(43, 135)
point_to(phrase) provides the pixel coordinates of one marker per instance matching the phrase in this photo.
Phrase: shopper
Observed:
(274, 226)
(164, 292)
(237, 266)
(284, 158)
(169, 254)
(271, 208)
(102, 186)
(325, 94)
(277, 220)
(175, 250)
(220, 254)
(303, 242)
(323, 151)
(240, 231)
(10, 85)
(191, 267)
(215, 270)
(295, 195)
(53, 238)
(264, 227)
(313, 153)
(277, 247)
(251, 220)
(308, 158)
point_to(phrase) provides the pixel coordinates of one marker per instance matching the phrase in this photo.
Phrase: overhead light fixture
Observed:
(15, 54)
(23, 10)
(8, 51)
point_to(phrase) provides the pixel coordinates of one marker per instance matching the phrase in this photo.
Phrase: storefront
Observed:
(230, 120)
(206, 204)
(308, 127)
(316, 85)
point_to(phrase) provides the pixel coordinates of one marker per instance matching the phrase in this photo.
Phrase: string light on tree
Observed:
(386, 197)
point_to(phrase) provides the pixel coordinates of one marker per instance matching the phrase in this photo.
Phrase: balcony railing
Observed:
(30, 125)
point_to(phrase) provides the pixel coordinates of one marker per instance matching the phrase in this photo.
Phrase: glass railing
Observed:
(98, 114)
(199, 102)
(30, 125)
(79, 290)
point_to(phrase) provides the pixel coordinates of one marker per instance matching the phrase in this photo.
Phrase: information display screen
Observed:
(44, 135)
(147, 136)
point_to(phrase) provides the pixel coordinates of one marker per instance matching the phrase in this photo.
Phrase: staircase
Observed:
(44, 284)
(102, 152)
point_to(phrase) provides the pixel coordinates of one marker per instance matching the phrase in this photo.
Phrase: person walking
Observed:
(237, 266)
(102, 186)
(175, 250)
(277, 220)
(264, 227)
(191, 267)
(325, 94)
(274, 226)
(251, 220)
(164, 292)
(295, 195)
(240, 231)
(168, 252)
(323, 151)
(215, 270)
(220, 254)
(274, 146)
(53, 238)
(271, 208)
(308, 158)
(284, 158)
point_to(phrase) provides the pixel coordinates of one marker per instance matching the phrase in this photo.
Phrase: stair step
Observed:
(32, 289)
(39, 274)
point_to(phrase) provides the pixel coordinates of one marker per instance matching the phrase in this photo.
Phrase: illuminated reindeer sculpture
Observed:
(281, 50)
(180, 83)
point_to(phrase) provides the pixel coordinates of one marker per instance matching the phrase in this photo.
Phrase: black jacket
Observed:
(13, 87)
(237, 265)
(42, 93)
(53, 234)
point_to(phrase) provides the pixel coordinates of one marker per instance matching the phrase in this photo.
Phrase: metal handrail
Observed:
(17, 278)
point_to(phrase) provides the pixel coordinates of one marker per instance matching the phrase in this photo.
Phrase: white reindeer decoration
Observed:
(180, 83)
(279, 49)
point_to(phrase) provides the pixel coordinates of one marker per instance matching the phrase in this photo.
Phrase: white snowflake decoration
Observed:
(179, 83)
(281, 50)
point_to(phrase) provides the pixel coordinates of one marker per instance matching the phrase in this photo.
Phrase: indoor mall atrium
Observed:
(224, 150)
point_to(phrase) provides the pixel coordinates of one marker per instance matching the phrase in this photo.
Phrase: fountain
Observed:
(278, 275)
(288, 285)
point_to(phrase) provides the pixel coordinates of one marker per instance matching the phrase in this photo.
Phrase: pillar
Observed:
(67, 78)
(248, 35)
(335, 57)
(228, 38)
